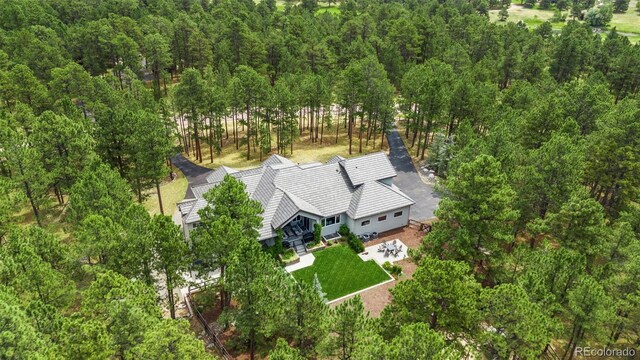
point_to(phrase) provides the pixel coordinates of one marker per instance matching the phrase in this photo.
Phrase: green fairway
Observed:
(627, 24)
(341, 272)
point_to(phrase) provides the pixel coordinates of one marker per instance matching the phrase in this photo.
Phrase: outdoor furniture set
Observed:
(390, 248)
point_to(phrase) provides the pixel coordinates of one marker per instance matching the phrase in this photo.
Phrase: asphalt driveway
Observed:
(195, 174)
(409, 181)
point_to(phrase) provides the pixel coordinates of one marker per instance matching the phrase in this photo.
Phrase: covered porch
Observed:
(297, 233)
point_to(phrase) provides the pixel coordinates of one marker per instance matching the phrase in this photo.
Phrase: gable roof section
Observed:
(276, 159)
(373, 198)
(193, 215)
(200, 190)
(219, 173)
(368, 168)
(285, 211)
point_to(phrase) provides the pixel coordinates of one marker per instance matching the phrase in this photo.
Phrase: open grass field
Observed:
(323, 6)
(172, 192)
(341, 272)
(627, 24)
(304, 151)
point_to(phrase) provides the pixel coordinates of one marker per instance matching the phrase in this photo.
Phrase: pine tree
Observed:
(318, 287)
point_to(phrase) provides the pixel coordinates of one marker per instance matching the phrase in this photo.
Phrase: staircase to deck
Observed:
(299, 247)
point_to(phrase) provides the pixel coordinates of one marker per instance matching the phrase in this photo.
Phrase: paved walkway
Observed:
(409, 181)
(195, 174)
(305, 260)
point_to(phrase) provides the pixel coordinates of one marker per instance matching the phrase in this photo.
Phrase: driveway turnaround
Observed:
(195, 174)
(409, 181)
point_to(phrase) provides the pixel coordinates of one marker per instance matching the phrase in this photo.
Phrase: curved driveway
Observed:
(409, 181)
(195, 174)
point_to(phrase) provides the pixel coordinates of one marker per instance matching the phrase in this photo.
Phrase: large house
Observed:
(358, 192)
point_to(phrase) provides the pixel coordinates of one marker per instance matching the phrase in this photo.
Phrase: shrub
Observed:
(354, 243)
(392, 269)
(289, 254)
(503, 14)
(558, 17)
(344, 230)
(621, 6)
(562, 5)
(317, 233)
(277, 248)
(599, 16)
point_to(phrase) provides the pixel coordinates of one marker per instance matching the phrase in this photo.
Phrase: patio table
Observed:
(391, 247)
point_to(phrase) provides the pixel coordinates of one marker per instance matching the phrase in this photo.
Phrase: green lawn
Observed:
(341, 272)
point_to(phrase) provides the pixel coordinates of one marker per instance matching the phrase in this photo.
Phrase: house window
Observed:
(331, 220)
(397, 214)
(382, 218)
(365, 223)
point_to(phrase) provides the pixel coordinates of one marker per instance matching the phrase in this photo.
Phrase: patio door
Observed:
(305, 222)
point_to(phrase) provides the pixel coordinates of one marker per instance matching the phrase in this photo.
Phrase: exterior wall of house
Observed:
(390, 223)
(332, 229)
(187, 229)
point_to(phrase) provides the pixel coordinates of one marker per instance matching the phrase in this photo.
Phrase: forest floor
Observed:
(51, 216)
(304, 151)
(172, 192)
(627, 23)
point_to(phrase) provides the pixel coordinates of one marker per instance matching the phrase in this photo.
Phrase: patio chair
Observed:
(399, 248)
(394, 241)
(296, 229)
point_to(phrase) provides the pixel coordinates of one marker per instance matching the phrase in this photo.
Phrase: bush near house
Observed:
(354, 243)
(277, 248)
(344, 230)
(288, 255)
(392, 269)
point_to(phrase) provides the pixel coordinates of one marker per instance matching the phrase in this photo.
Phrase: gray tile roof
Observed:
(276, 159)
(193, 215)
(335, 159)
(284, 189)
(374, 198)
(370, 167)
(219, 174)
(200, 190)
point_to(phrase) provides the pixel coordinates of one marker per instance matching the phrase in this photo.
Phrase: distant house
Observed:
(358, 192)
